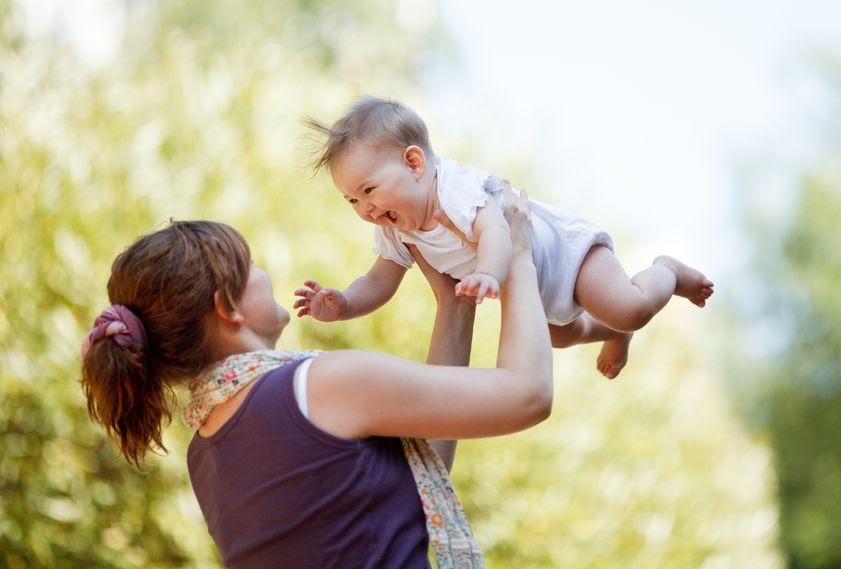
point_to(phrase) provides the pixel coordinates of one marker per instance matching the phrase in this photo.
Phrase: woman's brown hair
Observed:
(167, 279)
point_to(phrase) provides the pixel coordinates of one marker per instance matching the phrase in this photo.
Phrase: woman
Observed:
(296, 460)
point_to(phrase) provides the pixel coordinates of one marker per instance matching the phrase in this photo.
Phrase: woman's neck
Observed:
(240, 343)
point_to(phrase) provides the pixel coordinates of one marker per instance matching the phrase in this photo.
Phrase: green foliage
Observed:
(649, 470)
(199, 118)
(800, 391)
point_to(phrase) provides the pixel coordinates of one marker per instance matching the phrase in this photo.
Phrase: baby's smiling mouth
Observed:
(391, 216)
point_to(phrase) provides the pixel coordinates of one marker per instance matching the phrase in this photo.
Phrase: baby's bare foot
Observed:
(691, 283)
(614, 355)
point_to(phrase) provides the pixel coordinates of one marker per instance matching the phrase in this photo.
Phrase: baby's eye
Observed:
(353, 200)
(369, 190)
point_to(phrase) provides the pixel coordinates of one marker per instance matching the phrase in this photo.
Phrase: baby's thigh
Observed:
(602, 284)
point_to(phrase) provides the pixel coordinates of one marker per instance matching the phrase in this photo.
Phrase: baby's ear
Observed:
(415, 158)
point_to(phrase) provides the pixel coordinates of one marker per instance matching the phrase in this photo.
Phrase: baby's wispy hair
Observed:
(373, 120)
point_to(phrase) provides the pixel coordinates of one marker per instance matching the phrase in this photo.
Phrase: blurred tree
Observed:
(650, 470)
(798, 399)
(792, 390)
(197, 117)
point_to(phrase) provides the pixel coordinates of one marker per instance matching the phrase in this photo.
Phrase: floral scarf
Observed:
(449, 532)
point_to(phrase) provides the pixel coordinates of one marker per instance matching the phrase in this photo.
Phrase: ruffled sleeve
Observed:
(461, 192)
(389, 246)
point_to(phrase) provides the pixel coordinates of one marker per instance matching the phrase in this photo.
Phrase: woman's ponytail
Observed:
(126, 398)
(125, 394)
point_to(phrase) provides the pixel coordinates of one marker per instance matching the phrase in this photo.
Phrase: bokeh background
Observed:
(707, 130)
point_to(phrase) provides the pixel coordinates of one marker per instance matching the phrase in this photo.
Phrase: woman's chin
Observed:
(283, 319)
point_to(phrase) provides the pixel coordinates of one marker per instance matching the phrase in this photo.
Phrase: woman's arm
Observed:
(363, 393)
(452, 335)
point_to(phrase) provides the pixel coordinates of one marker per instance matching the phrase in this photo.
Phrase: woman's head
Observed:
(174, 281)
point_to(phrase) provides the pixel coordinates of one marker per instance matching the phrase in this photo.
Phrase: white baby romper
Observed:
(560, 240)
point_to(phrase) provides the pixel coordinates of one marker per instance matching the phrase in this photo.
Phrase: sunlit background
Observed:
(706, 130)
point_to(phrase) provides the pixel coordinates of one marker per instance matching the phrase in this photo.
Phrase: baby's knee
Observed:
(633, 317)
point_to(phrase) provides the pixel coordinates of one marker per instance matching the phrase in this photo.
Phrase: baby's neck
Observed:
(432, 204)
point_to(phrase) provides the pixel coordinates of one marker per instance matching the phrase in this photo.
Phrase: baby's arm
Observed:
(493, 252)
(361, 297)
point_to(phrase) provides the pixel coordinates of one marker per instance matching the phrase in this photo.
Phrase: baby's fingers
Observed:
(304, 292)
(313, 285)
(461, 288)
(303, 312)
(482, 292)
(466, 287)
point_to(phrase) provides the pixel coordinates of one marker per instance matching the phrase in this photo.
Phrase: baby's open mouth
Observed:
(392, 217)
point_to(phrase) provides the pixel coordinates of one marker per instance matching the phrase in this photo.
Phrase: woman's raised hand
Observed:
(518, 216)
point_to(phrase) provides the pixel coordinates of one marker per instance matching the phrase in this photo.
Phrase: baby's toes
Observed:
(600, 364)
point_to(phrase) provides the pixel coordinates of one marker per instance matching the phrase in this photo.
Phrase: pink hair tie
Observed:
(119, 323)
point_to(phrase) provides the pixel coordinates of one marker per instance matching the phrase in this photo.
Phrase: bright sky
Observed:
(647, 111)
(641, 115)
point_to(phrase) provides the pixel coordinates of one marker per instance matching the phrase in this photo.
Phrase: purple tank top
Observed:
(277, 491)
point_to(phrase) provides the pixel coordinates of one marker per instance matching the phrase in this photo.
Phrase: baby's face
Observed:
(383, 187)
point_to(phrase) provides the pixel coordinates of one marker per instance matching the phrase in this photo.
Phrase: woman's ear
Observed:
(415, 158)
(223, 312)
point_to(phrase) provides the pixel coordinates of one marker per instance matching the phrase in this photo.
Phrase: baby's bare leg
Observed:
(582, 330)
(585, 329)
(627, 304)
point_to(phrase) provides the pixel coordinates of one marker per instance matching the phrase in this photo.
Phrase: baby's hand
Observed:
(479, 285)
(324, 304)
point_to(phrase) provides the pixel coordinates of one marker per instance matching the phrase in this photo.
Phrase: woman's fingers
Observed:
(518, 215)
(444, 220)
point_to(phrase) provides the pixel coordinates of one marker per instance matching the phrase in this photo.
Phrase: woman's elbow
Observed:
(540, 402)
(544, 404)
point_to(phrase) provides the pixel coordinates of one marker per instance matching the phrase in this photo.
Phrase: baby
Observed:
(381, 161)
